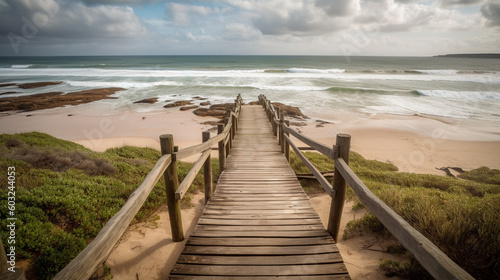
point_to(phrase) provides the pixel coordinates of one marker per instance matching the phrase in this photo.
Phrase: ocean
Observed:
(333, 88)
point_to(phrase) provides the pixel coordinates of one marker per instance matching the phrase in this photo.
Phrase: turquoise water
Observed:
(323, 87)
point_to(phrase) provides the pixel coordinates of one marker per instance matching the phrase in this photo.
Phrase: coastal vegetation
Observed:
(65, 194)
(459, 215)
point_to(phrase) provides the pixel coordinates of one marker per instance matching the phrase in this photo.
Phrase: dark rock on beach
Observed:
(38, 84)
(205, 112)
(179, 103)
(148, 101)
(55, 99)
(7, 85)
(217, 110)
(185, 108)
(224, 106)
(8, 92)
(290, 111)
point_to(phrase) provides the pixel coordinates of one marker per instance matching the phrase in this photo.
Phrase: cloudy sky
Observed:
(249, 27)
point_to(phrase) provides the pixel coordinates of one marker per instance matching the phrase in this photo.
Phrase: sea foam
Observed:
(461, 95)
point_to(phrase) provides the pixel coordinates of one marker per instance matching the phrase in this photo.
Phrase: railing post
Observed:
(343, 143)
(281, 139)
(207, 170)
(222, 149)
(287, 146)
(233, 126)
(230, 142)
(172, 184)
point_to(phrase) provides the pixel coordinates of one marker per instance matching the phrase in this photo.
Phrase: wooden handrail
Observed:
(317, 174)
(200, 148)
(188, 180)
(439, 265)
(320, 147)
(97, 251)
(429, 255)
(84, 265)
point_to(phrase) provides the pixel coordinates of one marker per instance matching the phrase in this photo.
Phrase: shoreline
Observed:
(413, 143)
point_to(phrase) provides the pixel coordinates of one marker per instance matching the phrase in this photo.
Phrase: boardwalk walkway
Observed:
(259, 224)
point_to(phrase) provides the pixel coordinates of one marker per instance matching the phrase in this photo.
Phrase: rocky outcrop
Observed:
(38, 84)
(205, 112)
(55, 99)
(179, 103)
(186, 108)
(217, 110)
(290, 111)
(148, 100)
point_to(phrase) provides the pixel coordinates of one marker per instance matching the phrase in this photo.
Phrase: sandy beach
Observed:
(412, 143)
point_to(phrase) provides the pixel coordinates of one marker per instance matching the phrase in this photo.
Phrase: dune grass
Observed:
(66, 193)
(460, 215)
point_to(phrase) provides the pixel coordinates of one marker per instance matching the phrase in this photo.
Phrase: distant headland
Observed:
(472, 55)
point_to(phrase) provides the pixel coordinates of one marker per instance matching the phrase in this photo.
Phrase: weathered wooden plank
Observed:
(216, 270)
(261, 250)
(258, 241)
(260, 203)
(210, 211)
(262, 216)
(288, 277)
(216, 221)
(261, 260)
(268, 229)
(252, 233)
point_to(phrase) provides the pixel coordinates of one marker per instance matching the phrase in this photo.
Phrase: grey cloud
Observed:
(70, 20)
(338, 7)
(491, 12)
(120, 2)
(457, 3)
(297, 19)
(32, 24)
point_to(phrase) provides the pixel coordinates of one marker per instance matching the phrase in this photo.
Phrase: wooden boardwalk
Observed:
(259, 223)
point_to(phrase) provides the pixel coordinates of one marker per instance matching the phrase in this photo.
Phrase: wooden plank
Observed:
(259, 241)
(278, 270)
(261, 260)
(210, 211)
(262, 216)
(261, 250)
(253, 233)
(268, 229)
(216, 221)
(288, 277)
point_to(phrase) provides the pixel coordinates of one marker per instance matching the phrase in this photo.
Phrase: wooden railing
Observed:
(430, 257)
(87, 262)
